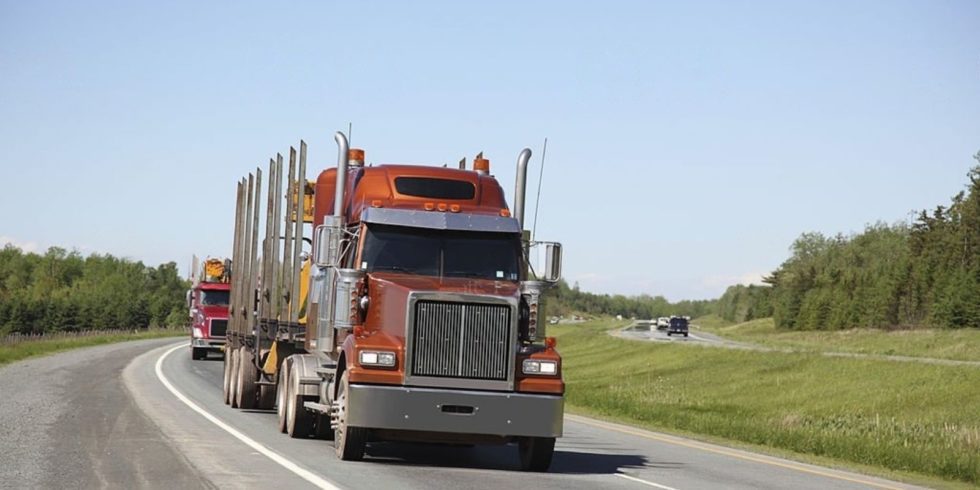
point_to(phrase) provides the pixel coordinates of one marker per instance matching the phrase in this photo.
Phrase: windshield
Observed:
(441, 253)
(214, 298)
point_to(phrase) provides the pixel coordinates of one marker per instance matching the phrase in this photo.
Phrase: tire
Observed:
(536, 453)
(233, 386)
(299, 421)
(267, 397)
(226, 383)
(226, 379)
(321, 427)
(685, 334)
(282, 382)
(197, 353)
(348, 441)
(247, 375)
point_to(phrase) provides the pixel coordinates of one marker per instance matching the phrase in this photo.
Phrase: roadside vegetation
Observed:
(935, 343)
(13, 349)
(565, 300)
(926, 274)
(906, 417)
(62, 291)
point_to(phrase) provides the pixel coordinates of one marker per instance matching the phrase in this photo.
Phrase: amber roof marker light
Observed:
(481, 165)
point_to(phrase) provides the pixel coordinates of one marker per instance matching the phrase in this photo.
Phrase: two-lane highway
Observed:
(144, 415)
(244, 448)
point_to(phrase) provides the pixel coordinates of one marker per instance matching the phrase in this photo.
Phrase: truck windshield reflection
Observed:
(480, 255)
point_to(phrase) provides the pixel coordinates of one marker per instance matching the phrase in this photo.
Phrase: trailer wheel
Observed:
(247, 375)
(321, 427)
(536, 453)
(299, 421)
(348, 441)
(282, 381)
(233, 379)
(226, 384)
(197, 353)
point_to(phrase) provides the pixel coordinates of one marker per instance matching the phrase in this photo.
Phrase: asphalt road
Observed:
(144, 415)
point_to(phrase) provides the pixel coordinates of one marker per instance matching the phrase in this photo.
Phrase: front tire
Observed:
(197, 353)
(348, 441)
(536, 453)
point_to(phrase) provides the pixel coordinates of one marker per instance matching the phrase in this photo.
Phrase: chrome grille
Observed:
(461, 340)
(219, 328)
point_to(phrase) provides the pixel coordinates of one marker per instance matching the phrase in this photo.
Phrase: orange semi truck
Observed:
(414, 315)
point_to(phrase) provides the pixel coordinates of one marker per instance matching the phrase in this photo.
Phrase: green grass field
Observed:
(31, 348)
(906, 417)
(961, 345)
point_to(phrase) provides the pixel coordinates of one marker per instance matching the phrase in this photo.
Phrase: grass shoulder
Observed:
(16, 351)
(952, 344)
(904, 418)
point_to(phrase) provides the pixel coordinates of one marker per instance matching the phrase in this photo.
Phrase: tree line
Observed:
(566, 301)
(926, 273)
(63, 291)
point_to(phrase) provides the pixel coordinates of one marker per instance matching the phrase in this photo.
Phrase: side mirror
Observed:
(552, 262)
(546, 261)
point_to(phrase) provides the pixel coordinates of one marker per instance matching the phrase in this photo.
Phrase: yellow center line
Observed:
(726, 452)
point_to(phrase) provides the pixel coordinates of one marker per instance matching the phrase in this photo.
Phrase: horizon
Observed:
(688, 145)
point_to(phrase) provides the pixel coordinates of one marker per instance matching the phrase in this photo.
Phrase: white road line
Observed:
(279, 459)
(648, 483)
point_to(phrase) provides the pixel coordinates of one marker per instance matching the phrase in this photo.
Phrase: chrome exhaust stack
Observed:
(343, 155)
(520, 187)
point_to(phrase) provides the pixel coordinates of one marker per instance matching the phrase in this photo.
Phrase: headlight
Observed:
(377, 358)
(196, 333)
(534, 366)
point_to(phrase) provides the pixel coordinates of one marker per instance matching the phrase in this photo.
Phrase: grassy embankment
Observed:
(958, 344)
(909, 418)
(16, 351)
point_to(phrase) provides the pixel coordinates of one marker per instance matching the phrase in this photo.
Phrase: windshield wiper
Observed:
(479, 275)
(392, 268)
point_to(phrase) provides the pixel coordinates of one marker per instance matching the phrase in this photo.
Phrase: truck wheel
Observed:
(299, 421)
(246, 379)
(226, 382)
(282, 380)
(267, 397)
(233, 379)
(685, 334)
(536, 453)
(347, 441)
(197, 353)
(321, 427)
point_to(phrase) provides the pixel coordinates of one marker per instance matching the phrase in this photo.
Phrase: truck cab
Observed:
(208, 303)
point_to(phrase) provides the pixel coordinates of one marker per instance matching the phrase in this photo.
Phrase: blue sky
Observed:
(689, 142)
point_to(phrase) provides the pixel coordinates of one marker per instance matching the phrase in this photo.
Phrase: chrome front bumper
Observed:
(454, 411)
(215, 344)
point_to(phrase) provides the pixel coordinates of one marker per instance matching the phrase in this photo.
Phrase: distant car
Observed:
(662, 323)
(677, 325)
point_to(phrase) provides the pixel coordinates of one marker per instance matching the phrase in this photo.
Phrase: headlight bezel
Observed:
(540, 367)
(377, 359)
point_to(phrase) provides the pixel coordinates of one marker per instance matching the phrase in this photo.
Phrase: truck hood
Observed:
(214, 312)
(394, 283)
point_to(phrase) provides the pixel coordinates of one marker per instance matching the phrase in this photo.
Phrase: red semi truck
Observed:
(208, 304)
(415, 315)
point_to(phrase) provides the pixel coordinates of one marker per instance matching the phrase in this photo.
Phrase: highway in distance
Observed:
(144, 415)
